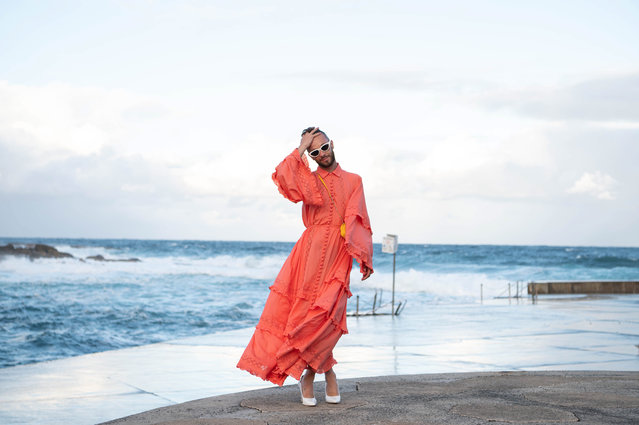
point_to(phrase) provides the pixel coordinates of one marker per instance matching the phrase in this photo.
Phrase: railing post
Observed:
(374, 302)
(393, 301)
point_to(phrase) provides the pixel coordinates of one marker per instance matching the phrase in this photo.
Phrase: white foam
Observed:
(444, 284)
(249, 266)
(228, 266)
(85, 251)
(64, 269)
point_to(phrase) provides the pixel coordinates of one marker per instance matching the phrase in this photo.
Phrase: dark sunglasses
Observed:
(323, 148)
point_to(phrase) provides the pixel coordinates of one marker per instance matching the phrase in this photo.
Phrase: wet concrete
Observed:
(465, 398)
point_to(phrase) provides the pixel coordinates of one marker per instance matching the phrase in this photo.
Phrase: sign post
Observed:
(389, 246)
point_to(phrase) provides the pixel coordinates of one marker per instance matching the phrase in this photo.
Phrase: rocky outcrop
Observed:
(101, 258)
(33, 251)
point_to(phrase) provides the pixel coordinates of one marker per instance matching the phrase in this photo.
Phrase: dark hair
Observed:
(306, 130)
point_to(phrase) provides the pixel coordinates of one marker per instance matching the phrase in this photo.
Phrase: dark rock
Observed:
(33, 251)
(101, 258)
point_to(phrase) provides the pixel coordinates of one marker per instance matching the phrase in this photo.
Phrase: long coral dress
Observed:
(305, 312)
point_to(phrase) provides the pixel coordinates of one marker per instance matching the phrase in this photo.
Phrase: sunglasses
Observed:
(322, 148)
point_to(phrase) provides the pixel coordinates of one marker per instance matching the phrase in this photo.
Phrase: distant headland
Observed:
(35, 251)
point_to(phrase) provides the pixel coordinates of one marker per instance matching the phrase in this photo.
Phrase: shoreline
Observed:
(547, 299)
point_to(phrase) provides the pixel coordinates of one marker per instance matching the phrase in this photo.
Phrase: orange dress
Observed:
(305, 312)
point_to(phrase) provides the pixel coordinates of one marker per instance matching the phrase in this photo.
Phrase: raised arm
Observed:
(293, 176)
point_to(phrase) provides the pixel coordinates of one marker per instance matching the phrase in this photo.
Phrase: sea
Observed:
(57, 308)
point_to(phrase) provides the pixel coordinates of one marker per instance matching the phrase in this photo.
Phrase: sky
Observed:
(492, 122)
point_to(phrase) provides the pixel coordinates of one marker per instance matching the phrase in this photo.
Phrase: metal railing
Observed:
(377, 308)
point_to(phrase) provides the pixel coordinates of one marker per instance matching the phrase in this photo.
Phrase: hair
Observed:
(308, 129)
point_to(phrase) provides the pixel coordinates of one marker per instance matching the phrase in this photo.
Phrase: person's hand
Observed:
(366, 272)
(307, 139)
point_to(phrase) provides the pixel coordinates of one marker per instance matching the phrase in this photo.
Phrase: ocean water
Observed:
(55, 308)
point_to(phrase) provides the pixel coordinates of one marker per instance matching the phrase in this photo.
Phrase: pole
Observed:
(374, 301)
(393, 302)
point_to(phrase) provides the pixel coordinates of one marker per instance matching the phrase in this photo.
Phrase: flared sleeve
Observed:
(359, 236)
(295, 181)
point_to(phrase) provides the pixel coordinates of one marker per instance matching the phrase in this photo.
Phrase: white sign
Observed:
(389, 244)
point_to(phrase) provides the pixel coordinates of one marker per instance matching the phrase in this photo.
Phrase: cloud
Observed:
(64, 119)
(597, 184)
(513, 168)
(393, 79)
(606, 99)
(154, 172)
(82, 161)
(63, 139)
(60, 139)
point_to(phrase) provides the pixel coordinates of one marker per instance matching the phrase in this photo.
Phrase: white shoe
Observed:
(310, 401)
(333, 399)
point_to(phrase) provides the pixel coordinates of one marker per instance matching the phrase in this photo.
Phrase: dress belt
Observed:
(322, 225)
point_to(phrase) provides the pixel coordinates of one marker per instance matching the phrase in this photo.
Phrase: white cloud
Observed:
(61, 119)
(81, 161)
(62, 139)
(413, 80)
(612, 99)
(597, 184)
(441, 172)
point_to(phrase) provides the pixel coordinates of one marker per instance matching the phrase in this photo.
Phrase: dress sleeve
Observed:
(295, 181)
(359, 236)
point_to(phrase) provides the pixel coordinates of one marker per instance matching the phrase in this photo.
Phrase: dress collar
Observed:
(337, 171)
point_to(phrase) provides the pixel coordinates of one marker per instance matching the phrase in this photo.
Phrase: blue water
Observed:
(55, 308)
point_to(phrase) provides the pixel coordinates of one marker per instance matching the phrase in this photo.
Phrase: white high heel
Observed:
(306, 401)
(333, 399)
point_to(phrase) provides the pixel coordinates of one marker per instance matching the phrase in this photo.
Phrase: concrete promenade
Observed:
(458, 398)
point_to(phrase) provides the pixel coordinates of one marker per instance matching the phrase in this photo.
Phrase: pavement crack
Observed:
(140, 390)
(250, 407)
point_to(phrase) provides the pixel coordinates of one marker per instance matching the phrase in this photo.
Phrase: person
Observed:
(305, 312)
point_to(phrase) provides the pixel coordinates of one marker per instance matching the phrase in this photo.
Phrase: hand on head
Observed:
(307, 138)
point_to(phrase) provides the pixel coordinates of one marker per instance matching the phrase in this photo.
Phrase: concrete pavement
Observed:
(458, 398)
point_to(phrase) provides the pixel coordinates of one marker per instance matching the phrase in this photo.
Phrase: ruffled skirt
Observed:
(305, 312)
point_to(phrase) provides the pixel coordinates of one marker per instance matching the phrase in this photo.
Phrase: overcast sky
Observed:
(493, 122)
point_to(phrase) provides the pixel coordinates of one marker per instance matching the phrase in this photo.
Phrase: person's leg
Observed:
(332, 388)
(307, 383)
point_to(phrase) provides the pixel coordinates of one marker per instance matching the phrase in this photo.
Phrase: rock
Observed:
(101, 258)
(33, 251)
(45, 251)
